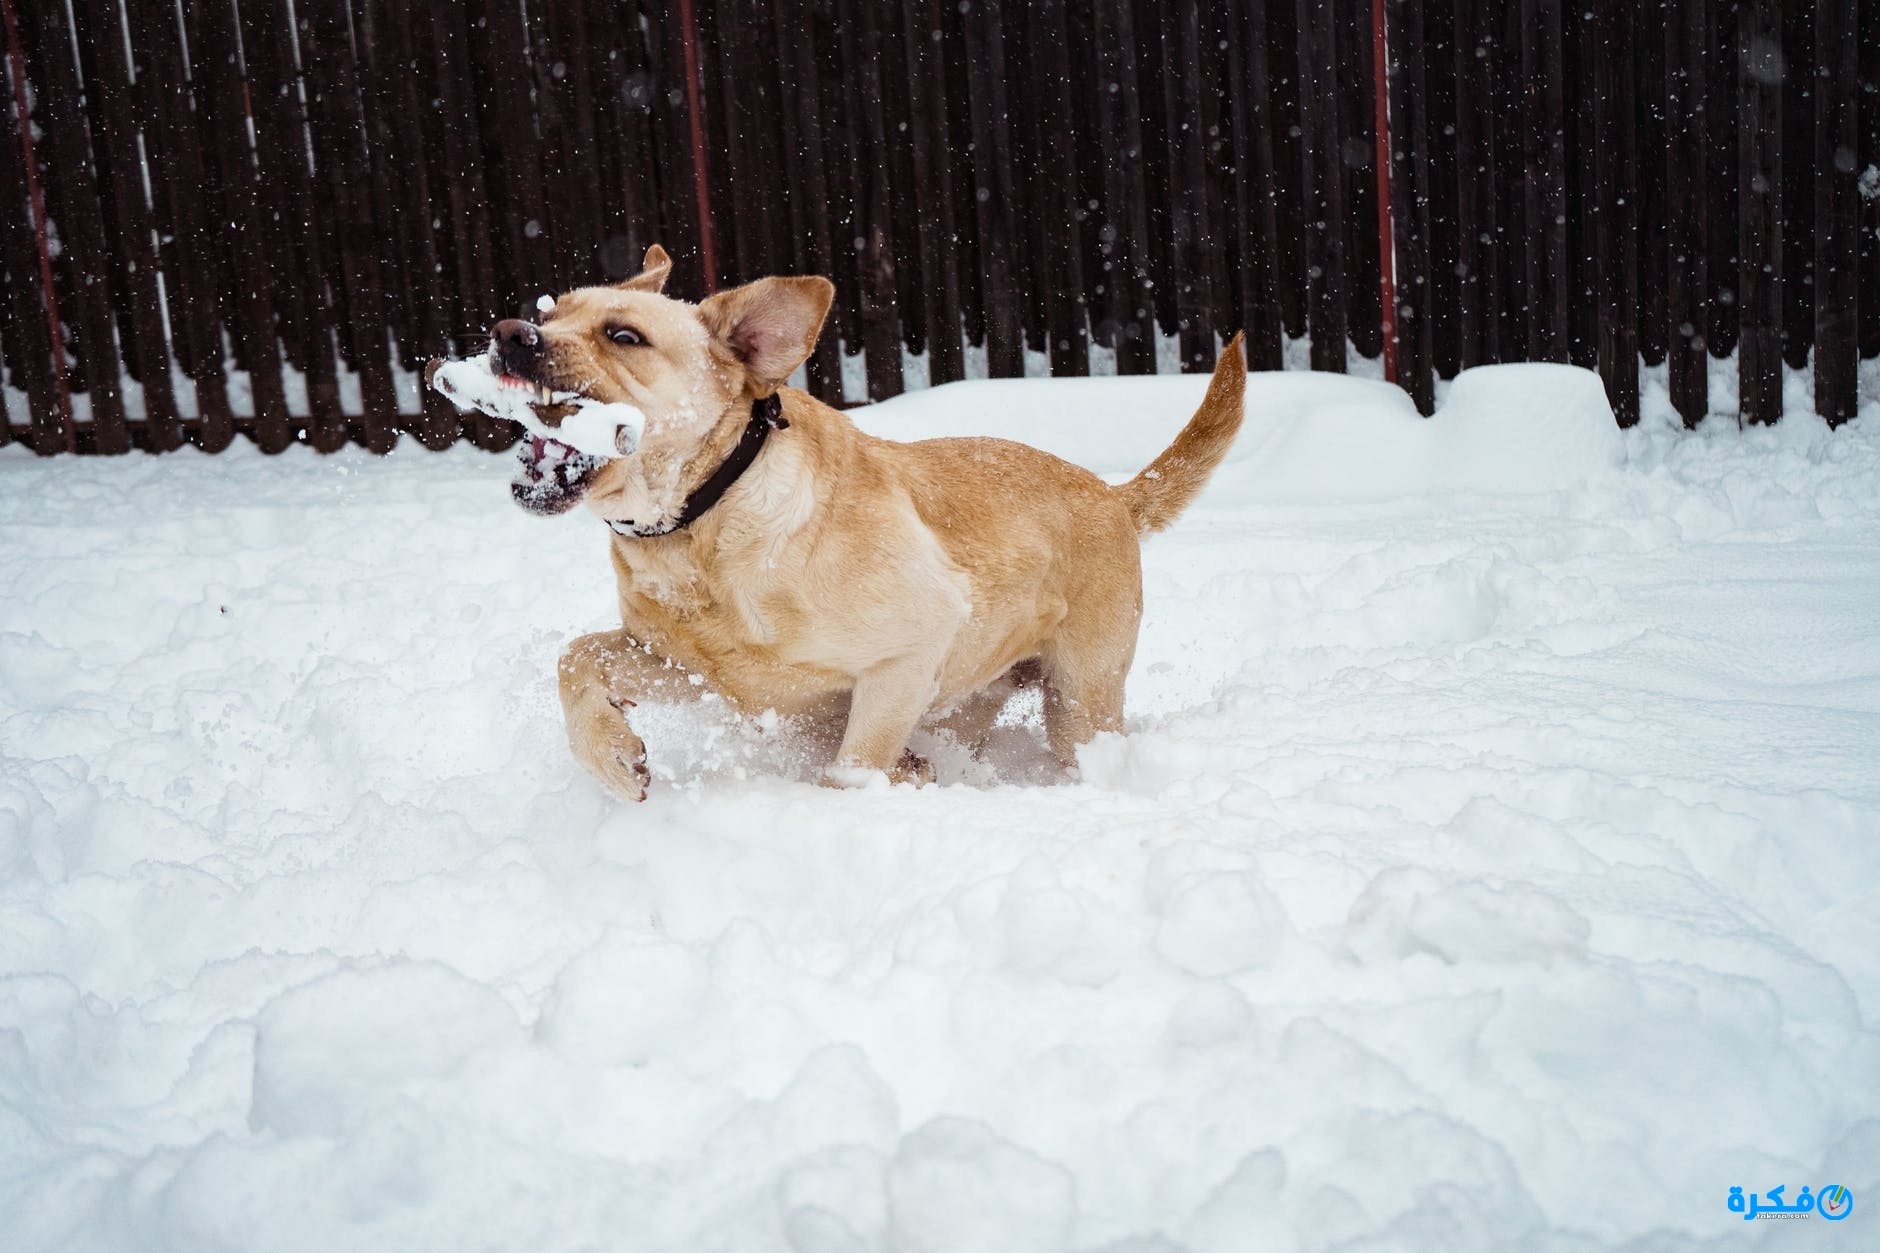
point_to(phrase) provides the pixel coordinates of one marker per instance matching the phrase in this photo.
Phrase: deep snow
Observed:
(1492, 861)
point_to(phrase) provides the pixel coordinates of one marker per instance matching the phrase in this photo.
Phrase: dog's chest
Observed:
(667, 588)
(733, 642)
(670, 587)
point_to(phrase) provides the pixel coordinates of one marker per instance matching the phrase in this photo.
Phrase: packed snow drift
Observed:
(1491, 861)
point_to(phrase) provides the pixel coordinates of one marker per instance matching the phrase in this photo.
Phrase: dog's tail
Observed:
(1157, 496)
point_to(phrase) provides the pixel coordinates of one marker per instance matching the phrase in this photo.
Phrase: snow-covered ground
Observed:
(1492, 861)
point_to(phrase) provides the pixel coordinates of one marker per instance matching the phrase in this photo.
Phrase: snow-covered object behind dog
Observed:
(597, 428)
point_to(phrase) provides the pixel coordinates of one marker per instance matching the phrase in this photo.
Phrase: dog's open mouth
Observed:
(551, 475)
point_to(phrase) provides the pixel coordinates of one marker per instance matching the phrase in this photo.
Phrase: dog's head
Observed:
(692, 369)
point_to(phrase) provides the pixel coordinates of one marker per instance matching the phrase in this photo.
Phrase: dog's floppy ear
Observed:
(653, 272)
(769, 326)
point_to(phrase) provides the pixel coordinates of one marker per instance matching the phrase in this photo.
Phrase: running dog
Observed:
(768, 550)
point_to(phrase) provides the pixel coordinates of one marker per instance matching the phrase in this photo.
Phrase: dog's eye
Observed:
(625, 335)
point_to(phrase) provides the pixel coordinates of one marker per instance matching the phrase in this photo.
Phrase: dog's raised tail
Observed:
(1157, 496)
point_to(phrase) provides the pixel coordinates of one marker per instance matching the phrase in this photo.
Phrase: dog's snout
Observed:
(517, 345)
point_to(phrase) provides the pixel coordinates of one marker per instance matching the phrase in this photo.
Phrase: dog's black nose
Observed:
(518, 345)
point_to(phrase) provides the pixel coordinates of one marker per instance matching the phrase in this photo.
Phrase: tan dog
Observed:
(901, 584)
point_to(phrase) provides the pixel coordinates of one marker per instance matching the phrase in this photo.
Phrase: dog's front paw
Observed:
(617, 757)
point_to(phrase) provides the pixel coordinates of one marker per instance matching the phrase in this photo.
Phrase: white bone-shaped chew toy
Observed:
(593, 427)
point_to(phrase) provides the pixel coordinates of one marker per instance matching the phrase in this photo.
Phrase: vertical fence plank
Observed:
(376, 53)
(338, 128)
(1410, 173)
(1580, 55)
(292, 225)
(1210, 125)
(31, 349)
(173, 136)
(744, 131)
(73, 201)
(773, 185)
(675, 97)
(511, 111)
(1545, 178)
(993, 192)
(457, 147)
(1616, 198)
(1129, 324)
(809, 205)
(803, 227)
(957, 102)
(1322, 159)
(881, 330)
(904, 176)
(1686, 143)
(620, 93)
(1759, 355)
(924, 50)
(400, 161)
(1867, 156)
(1067, 316)
(8, 420)
(1797, 83)
(1649, 18)
(1722, 230)
(1357, 154)
(1188, 218)
(832, 92)
(1289, 245)
(212, 32)
(565, 77)
(148, 349)
(1439, 85)
(1837, 195)
(295, 222)
(1511, 244)
(1254, 193)
(1477, 251)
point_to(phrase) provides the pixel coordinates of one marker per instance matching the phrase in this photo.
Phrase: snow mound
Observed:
(1307, 437)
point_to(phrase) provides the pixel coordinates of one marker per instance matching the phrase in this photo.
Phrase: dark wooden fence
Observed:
(223, 217)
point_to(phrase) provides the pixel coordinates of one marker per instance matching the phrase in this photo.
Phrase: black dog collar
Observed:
(766, 415)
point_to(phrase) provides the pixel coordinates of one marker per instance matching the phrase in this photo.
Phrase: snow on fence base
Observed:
(235, 240)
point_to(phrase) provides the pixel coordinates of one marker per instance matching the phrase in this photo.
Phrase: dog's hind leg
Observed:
(602, 676)
(1085, 665)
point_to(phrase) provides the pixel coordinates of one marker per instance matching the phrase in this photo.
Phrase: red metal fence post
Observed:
(36, 197)
(695, 120)
(1386, 260)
